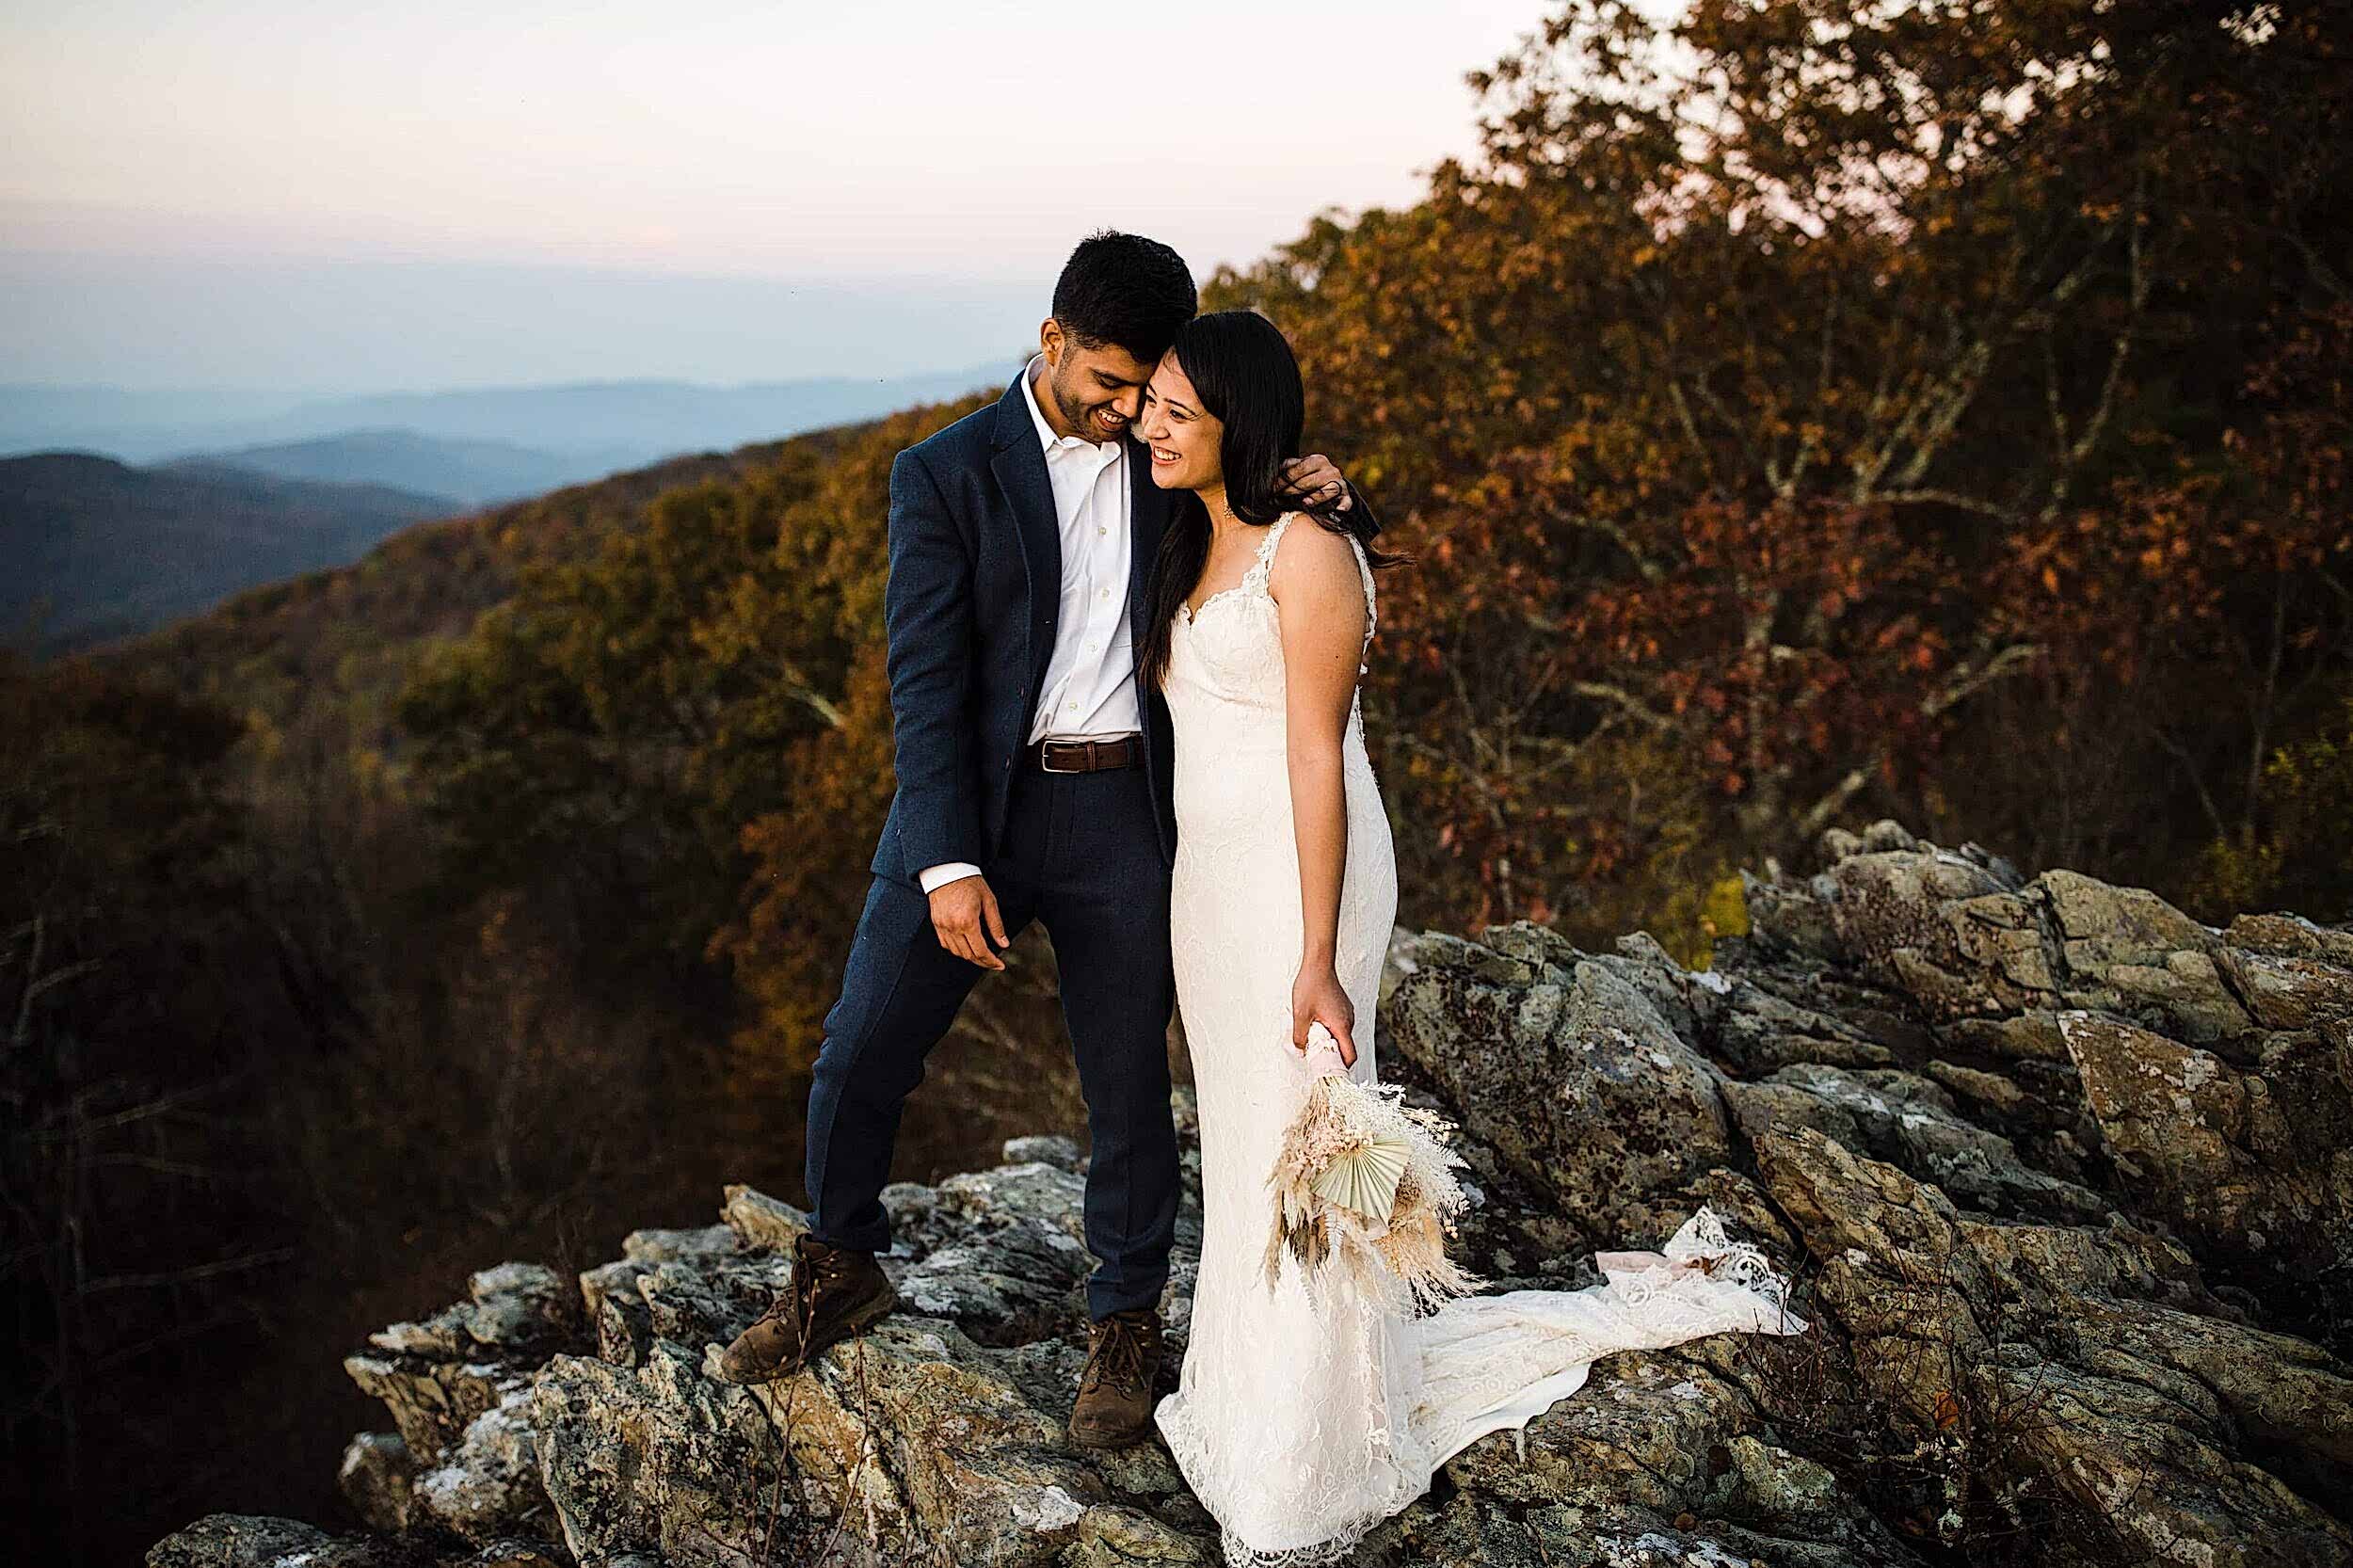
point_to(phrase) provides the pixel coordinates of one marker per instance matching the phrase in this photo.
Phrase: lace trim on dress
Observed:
(1702, 1244)
(1483, 1364)
(1255, 579)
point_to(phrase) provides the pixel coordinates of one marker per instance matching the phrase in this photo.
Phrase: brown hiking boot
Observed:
(1115, 1404)
(833, 1292)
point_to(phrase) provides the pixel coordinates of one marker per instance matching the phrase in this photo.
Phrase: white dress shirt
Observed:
(1090, 688)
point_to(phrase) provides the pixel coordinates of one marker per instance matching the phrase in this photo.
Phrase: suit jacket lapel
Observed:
(1020, 469)
(1019, 465)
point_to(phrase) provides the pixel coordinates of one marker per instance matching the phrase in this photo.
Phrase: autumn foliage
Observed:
(1805, 413)
(1799, 415)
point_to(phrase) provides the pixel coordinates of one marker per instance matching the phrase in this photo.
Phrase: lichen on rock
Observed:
(2065, 1175)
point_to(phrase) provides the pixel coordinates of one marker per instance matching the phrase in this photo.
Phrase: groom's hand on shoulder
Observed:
(965, 917)
(1315, 478)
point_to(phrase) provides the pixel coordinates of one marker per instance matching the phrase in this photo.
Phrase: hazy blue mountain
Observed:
(612, 424)
(659, 418)
(480, 474)
(117, 549)
(36, 416)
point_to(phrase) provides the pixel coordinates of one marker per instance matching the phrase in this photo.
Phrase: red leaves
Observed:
(1626, 391)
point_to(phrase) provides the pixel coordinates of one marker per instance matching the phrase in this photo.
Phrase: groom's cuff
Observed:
(934, 876)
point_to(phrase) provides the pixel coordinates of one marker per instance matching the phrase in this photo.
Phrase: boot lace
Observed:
(1118, 1355)
(813, 1272)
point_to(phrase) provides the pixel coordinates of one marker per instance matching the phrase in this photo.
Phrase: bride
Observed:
(1303, 1422)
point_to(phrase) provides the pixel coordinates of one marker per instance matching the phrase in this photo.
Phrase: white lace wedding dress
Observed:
(1298, 1428)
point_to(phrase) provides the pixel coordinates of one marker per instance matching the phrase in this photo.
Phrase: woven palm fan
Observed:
(1364, 1183)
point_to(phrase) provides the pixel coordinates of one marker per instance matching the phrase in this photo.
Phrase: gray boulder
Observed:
(2066, 1179)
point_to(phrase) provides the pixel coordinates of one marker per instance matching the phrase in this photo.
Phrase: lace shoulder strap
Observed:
(1256, 576)
(1364, 572)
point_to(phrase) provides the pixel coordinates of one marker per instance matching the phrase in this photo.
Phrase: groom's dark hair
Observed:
(1127, 290)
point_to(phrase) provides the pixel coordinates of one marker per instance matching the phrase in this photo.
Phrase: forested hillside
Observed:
(92, 549)
(1930, 411)
(262, 1004)
(284, 651)
(1955, 431)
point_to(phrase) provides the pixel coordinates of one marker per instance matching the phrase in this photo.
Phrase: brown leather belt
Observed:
(1120, 751)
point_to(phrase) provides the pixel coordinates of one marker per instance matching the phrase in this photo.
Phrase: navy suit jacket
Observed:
(974, 592)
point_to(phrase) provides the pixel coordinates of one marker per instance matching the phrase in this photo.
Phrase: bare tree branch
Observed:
(2072, 457)
(1967, 683)
(1625, 701)
(1616, 532)
(1932, 497)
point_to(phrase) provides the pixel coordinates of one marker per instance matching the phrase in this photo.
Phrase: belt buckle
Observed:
(1046, 751)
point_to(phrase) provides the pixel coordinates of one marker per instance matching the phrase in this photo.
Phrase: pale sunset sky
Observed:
(362, 197)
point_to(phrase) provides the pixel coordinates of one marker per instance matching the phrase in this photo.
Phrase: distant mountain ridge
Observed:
(621, 423)
(469, 472)
(116, 550)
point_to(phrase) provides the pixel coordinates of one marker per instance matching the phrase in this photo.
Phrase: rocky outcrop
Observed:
(2085, 1371)
(2062, 1173)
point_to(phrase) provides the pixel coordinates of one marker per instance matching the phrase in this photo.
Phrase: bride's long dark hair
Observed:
(1243, 369)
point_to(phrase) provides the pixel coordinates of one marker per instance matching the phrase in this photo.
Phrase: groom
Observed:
(1034, 781)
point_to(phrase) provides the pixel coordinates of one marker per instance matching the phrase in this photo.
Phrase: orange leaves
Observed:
(1732, 475)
